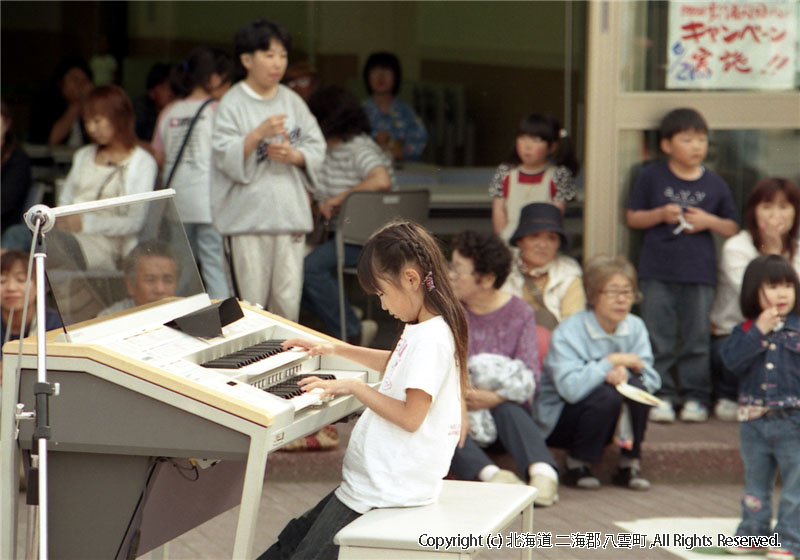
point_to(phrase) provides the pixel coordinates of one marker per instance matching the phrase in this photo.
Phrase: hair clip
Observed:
(562, 133)
(429, 282)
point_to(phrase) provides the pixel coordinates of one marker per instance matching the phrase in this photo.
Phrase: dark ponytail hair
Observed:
(198, 67)
(547, 128)
(401, 244)
(766, 269)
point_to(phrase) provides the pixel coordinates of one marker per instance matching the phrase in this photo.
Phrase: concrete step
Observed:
(681, 452)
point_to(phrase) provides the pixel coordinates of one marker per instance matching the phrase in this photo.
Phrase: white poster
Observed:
(731, 44)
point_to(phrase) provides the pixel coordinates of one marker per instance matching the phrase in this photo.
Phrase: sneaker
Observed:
(369, 329)
(548, 490)
(504, 476)
(581, 477)
(737, 550)
(694, 411)
(630, 477)
(775, 553)
(726, 410)
(665, 414)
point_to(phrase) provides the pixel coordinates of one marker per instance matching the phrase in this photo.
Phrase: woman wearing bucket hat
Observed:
(550, 282)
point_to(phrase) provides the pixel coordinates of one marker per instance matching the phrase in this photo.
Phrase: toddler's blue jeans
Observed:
(769, 443)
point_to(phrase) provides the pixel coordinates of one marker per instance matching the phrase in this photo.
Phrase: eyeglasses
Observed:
(614, 293)
(302, 82)
(458, 272)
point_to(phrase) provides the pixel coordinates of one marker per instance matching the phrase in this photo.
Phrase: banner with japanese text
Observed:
(732, 44)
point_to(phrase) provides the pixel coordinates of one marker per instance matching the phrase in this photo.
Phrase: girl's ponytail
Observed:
(565, 152)
(403, 243)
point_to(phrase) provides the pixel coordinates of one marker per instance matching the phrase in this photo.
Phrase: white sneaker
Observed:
(369, 329)
(665, 414)
(694, 411)
(504, 476)
(548, 490)
(726, 410)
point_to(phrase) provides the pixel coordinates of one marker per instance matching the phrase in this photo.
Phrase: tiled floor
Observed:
(695, 470)
(578, 512)
(296, 481)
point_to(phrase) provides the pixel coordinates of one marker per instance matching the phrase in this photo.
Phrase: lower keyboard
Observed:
(300, 399)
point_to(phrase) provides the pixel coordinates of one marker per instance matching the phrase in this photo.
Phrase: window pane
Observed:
(739, 45)
(740, 157)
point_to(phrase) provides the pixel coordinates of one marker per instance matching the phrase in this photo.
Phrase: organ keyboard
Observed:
(201, 396)
(139, 396)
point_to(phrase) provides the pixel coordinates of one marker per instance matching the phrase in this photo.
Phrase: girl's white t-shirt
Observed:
(387, 466)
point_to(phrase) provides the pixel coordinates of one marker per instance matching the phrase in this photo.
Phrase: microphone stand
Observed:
(40, 220)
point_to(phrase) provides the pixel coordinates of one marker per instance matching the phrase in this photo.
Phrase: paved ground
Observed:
(682, 500)
(579, 513)
(695, 470)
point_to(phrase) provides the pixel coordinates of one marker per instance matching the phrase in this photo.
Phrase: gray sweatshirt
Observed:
(259, 195)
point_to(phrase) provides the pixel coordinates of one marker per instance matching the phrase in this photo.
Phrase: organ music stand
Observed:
(137, 397)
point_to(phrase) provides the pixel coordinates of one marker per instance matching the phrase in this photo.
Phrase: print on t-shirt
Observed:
(683, 197)
(399, 350)
(261, 149)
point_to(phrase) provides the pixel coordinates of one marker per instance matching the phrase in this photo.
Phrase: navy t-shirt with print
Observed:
(685, 258)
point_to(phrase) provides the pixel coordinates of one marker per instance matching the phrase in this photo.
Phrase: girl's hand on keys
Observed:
(344, 386)
(313, 347)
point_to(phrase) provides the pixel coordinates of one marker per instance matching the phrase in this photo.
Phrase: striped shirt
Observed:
(347, 164)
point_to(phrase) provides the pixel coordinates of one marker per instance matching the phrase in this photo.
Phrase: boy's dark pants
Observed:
(676, 316)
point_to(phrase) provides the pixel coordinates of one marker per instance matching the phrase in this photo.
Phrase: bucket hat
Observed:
(539, 216)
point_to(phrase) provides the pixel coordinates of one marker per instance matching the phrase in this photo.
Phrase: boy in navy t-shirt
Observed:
(679, 202)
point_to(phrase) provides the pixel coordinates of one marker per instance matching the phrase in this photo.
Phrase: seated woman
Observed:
(56, 114)
(301, 78)
(549, 282)
(771, 225)
(503, 365)
(577, 404)
(13, 273)
(353, 162)
(113, 165)
(394, 124)
(16, 172)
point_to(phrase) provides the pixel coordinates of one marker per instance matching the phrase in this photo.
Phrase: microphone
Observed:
(40, 214)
